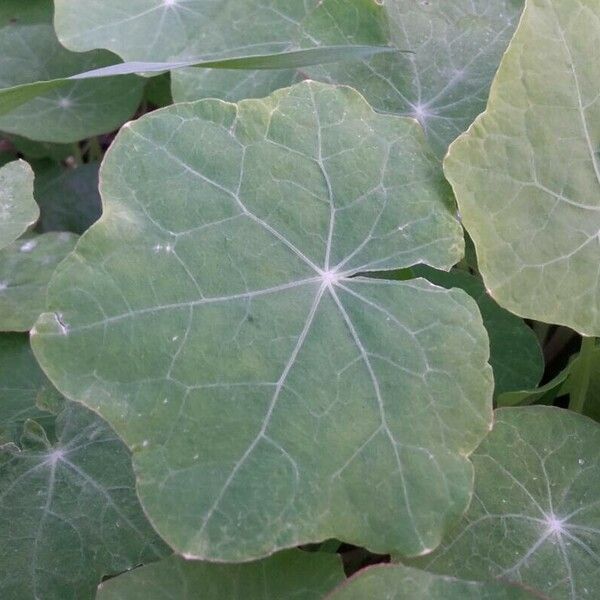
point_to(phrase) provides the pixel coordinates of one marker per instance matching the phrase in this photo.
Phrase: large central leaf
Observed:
(213, 317)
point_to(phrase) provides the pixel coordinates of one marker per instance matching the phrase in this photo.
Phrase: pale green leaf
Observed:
(31, 52)
(457, 47)
(68, 513)
(535, 515)
(68, 198)
(22, 386)
(515, 354)
(287, 575)
(211, 316)
(527, 174)
(18, 210)
(396, 582)
(25, 270)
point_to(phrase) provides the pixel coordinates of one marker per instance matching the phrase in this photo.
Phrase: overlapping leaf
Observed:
(26, 267)
(22, 386)
(396, 582)
(289, 574)
(30, 52)
(185, 29)
(212, 317)
(527, 174)
(515, 353)
(444, 84)
(535, 517)
(68, 511)
(18, 209)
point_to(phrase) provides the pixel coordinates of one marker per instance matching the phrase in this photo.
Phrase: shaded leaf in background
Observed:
(25, 270)
(527, 174)
(30, 52)
(444, 85)
(535, 515)
(68, 513)
(515, 354)
(211, 318)
(37, 150)
(291, 574)
(22, 386)
(68, 198)
(397, 582)
(18, 210)
(158, 91)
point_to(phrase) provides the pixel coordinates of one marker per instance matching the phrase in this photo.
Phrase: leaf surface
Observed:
(22, 386)
(18, 209)
(31, 52)
(26, 267)
(527, 173)
(515, 354)
(444, 83)
(535, 516)
(68, 511)
(397, 582)
(289, 574)
(212, 317)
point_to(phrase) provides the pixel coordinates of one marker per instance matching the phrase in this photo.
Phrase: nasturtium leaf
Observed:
(544, 394)
(210, 316)
(397, 582)
(18, 209)
(25, 270)
(68, 513)
(158, 30)
(291, 574)
(158, 91)
(68, 198)
(535, 516)
(527, 174)
(444, 84)
(515, 353)
(22, 386)
(31, 52)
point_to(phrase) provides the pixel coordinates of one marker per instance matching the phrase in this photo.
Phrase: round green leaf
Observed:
(31, 52)
(18, 209)
(25, 270)
(457, 46)
(527, 174)
(68, 512)
(535, 517)
(22, 386)
(213, 317)
(396, 582)
(289, 574)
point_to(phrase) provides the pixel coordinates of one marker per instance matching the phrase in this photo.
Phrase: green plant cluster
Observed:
(299, 299)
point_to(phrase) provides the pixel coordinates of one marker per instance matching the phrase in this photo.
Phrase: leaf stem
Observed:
(583, 372)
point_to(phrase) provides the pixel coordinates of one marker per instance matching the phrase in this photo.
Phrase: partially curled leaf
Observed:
(396, 582)
(68, 511)
(286, 575)
(535, 516)
(18, 210)
(215, 318)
